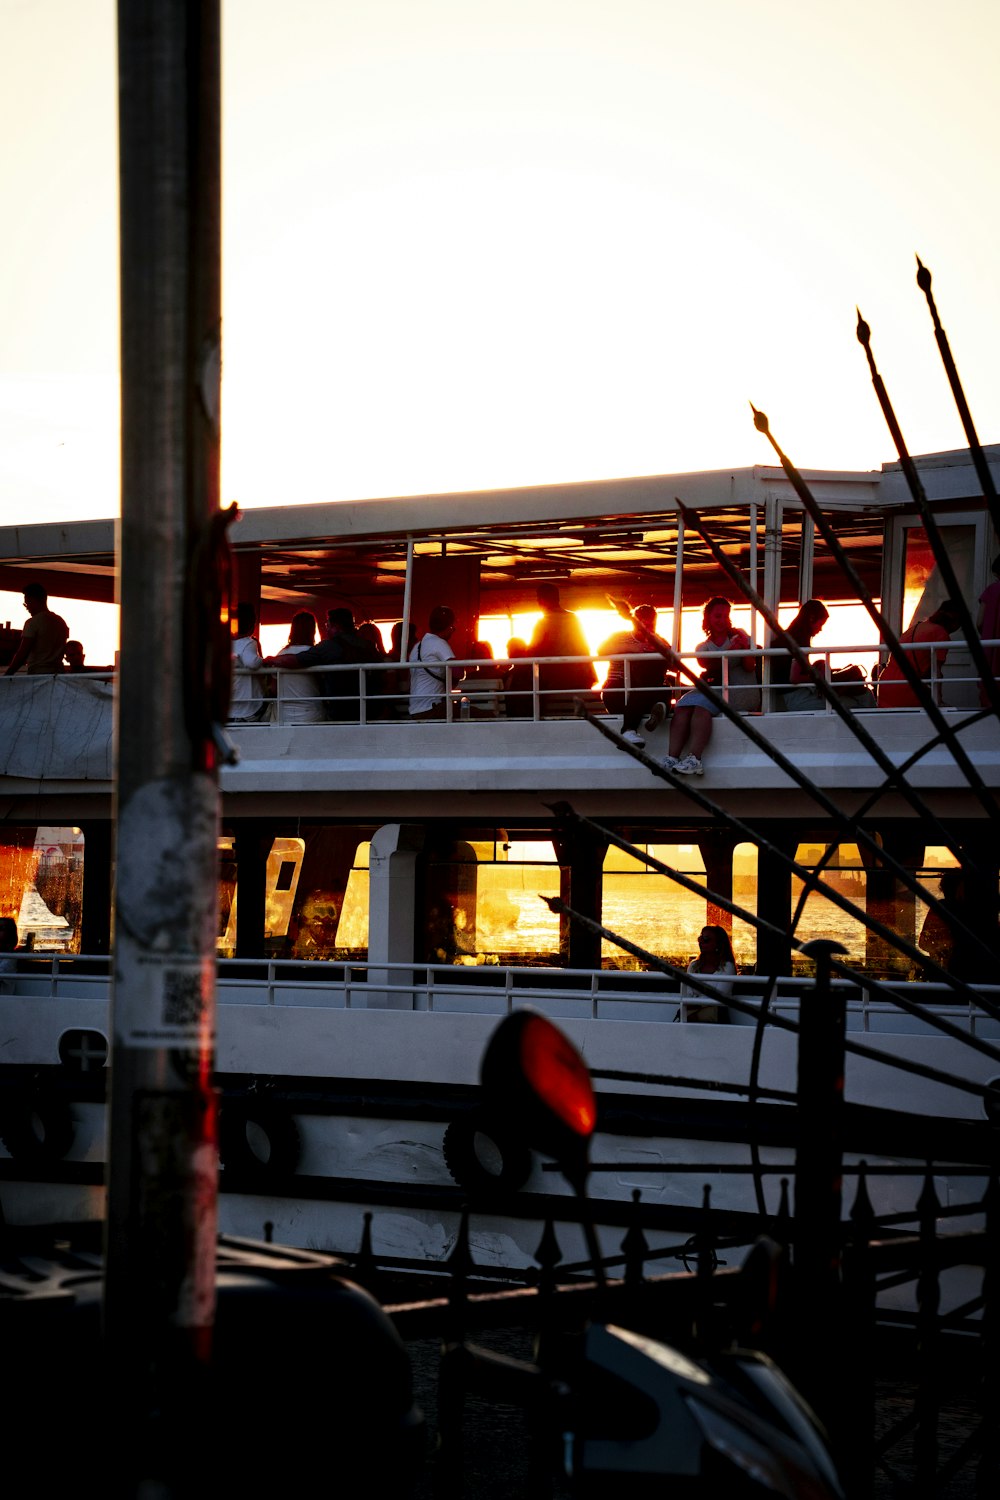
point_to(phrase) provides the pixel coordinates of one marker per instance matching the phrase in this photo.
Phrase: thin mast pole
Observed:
(675, 624)
(159, 1286)
(975, 447)
(404, 638)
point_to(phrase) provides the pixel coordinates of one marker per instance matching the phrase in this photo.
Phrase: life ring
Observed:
(484, 1155)
(38, 1128)
(259, 1140)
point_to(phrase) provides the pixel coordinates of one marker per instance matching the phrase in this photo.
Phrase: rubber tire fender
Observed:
(484, 1155)
(260, 1140)
(39, 1127)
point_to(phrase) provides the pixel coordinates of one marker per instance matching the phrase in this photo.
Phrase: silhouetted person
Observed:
(8, 947)
(971, 955)
(787, 677)
(341, 646)
(298, 693)
(893, 689)
(691, 729)
(43, 638)
(517, 680)
(716, 962)
(647, 698)
(428, 673)
(559, 633)
(246, 701)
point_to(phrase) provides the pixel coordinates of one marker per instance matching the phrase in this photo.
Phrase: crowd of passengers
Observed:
(645, 694)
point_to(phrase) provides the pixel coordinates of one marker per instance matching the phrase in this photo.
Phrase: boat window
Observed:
(843, 874)
(352, 930)
(316, 900)
(41, 885)
(512, 925)
(650, 909)
(664, 917)
(923, 587)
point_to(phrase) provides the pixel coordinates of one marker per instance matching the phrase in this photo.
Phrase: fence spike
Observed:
(365, 1268)
(548, 1256)
(460, 1267)
(862, 1213)
(635, 1246)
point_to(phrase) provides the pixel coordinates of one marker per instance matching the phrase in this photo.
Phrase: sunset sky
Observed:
(479, 244)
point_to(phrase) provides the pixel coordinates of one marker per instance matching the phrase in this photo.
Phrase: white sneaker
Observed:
(670, 762)
(633, 737)
(689, 766)
(656, 716)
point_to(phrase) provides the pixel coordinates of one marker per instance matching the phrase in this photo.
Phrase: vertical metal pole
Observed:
(404, 639)
(159, 1290)
(818, 1188)
(753, 567)
(675, 624)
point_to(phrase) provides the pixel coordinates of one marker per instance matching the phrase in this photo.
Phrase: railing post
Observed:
(859, 1323)
(820, 1363)
(928, 1342)
(988, 1478)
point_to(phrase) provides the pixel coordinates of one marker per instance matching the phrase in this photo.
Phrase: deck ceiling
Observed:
(587, 558)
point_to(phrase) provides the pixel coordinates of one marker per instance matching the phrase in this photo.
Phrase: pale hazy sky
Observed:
(476, 244)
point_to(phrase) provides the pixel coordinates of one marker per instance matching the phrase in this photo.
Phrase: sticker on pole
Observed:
(164, 1002)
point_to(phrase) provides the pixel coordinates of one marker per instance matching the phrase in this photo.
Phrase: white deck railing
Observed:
(566, 994)
(487, 695)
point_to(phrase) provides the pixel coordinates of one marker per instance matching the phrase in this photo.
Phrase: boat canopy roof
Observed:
(591, 538)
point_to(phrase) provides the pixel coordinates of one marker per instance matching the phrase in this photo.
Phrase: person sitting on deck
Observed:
(298, 696)
(517, 680)
(428, 674)
(73, 658)
(397, 679)
(691, 729)
(893, 689)
(788, 680)
(8, 947)
(559, 633)
(341, 645)
(716, 962)
(43, 638)
(247, 700)
(646, 698)
(369, 631)
(483, 684)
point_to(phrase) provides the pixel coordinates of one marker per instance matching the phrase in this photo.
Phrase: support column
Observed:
(580, 853)
(716, 850)
(774, 903)
(95, 911)
(887, 899)
(392, 881)
(252, 840)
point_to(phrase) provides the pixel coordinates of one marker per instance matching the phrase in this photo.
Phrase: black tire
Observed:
(38, 1129)
(259, 1140)
(485, 1156)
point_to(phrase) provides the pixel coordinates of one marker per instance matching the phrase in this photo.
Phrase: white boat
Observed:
(392, 878)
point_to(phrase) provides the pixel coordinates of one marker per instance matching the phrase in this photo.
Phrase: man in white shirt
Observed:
(298, 693)
(245, 702)
(428, 675)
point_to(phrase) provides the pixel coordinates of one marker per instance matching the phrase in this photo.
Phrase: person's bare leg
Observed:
(701, 731)
(679, 727)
